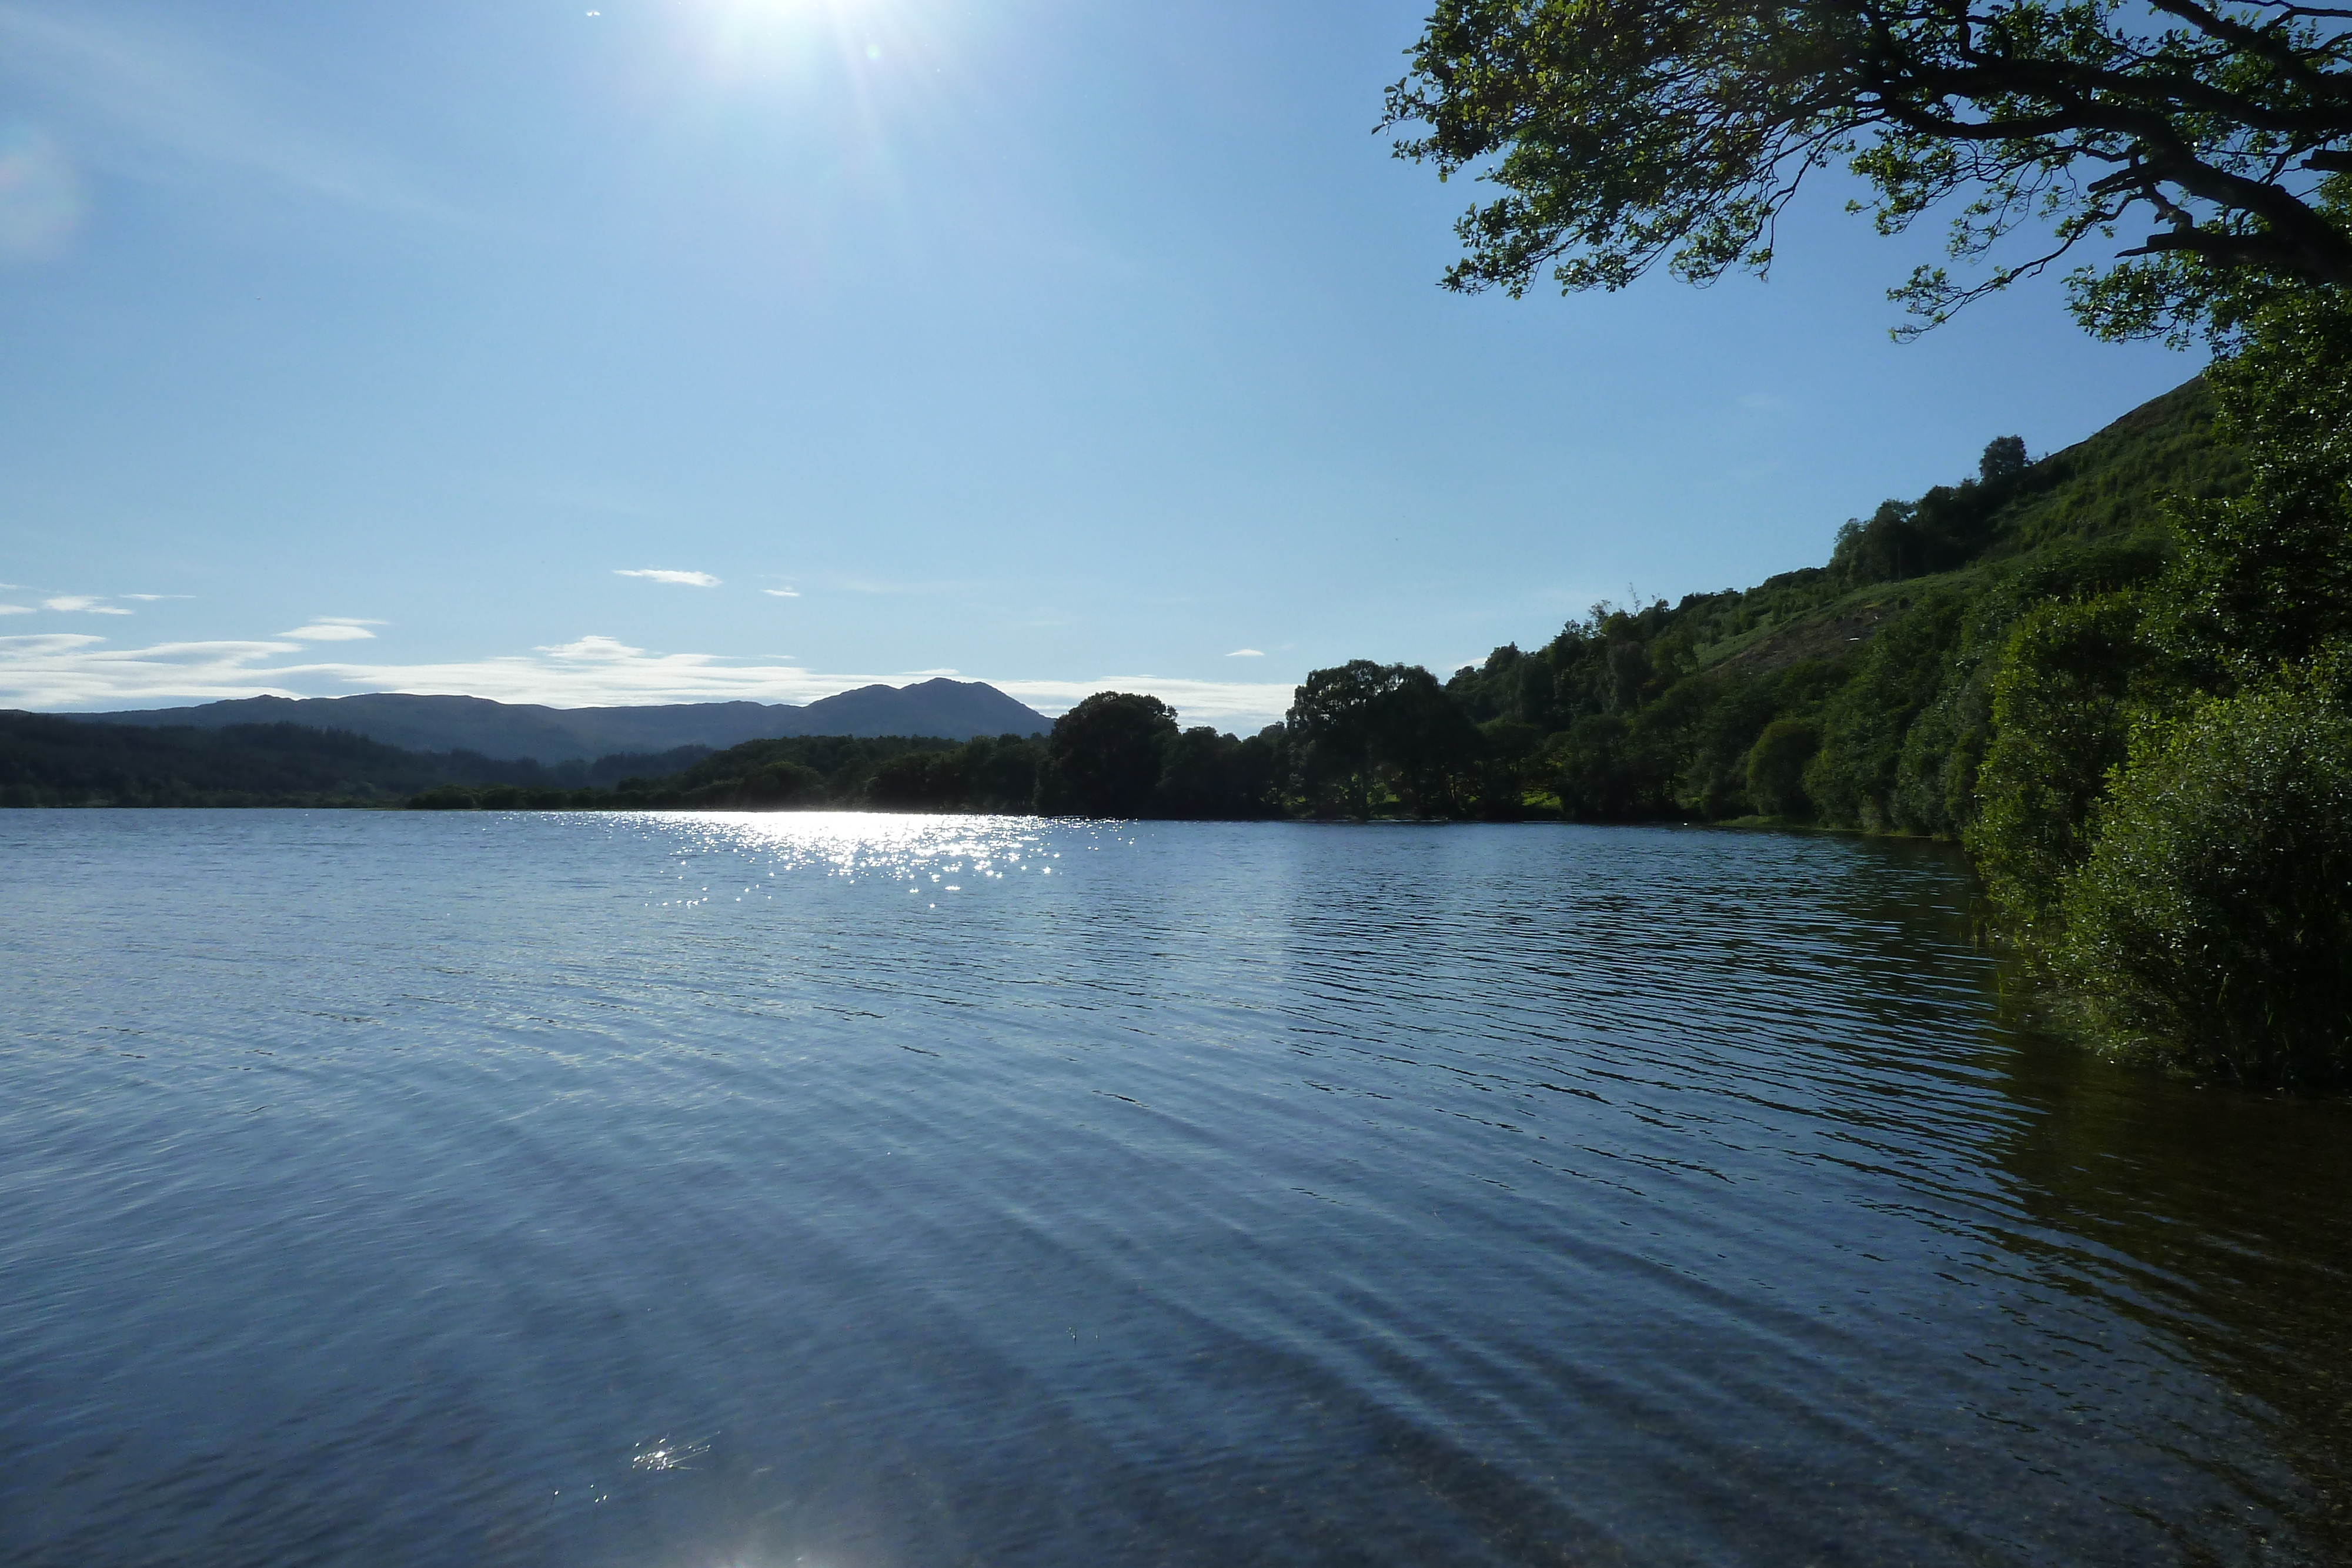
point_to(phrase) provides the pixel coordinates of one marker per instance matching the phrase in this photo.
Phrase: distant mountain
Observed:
(950, 710)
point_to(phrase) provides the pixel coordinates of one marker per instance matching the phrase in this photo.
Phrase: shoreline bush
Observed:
(2209, 926)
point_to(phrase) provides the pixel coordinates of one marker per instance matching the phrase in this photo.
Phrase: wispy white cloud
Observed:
(338, 629)
(41, 199)
(604, 650)
(16, 610)
(154, 597)
(75, 670)
(83, 604)
(931, 673)
(168, 101)
(781, 593)
(1242, 706)
(1246, 654)
(68, 671)
(683, 578)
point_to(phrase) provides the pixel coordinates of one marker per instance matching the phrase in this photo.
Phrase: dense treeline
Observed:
(1115, 755)
(2121, 676)
(800, 773)
(50, 762)
(1858, 694)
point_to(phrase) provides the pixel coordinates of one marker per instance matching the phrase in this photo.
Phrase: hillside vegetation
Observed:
(1853, 694)
(2117, 674)
(1856, 693)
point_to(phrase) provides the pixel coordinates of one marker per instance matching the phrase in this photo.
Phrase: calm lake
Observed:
(851, 1191)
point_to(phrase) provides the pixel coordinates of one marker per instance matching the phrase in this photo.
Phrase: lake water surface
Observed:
(677, 1191)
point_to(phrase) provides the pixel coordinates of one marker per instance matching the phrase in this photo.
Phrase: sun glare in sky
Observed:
(593, 353)
(859, 31)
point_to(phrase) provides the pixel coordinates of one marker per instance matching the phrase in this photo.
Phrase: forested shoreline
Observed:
(1856, 695)
(51, 762)
(2116, 674)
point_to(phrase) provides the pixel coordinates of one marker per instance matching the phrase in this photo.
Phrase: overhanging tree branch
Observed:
(1621, 133)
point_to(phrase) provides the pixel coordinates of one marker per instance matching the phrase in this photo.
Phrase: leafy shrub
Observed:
(1602, 772)
(2212, 925)
(1776, 766)
(1853, 779)
(2267, 576)
(2062, 709)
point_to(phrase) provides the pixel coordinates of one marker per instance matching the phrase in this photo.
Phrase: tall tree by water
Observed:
(1104, 756)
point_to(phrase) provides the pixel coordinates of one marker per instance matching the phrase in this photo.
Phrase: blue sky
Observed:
(1062, 346)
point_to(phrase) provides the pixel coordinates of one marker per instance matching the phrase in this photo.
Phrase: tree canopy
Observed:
(1104, 756)
(1625, 134)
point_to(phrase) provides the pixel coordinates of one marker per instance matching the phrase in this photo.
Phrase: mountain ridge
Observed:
(938, 708)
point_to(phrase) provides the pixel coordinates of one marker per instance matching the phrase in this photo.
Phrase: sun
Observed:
(852, 24)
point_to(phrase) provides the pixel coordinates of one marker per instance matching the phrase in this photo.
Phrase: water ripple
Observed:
(863, 1189)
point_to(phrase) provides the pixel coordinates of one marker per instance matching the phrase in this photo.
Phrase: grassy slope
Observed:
(1658, 711)
(2114, 483)
(2117, 480)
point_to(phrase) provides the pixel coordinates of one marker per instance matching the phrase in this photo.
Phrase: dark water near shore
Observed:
(853, 1191)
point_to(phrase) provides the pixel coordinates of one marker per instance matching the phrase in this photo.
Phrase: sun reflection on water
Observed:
(918, 852)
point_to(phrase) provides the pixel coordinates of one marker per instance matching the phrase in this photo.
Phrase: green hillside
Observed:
(2116, 481)
(1875, 667)
(1854, 693)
